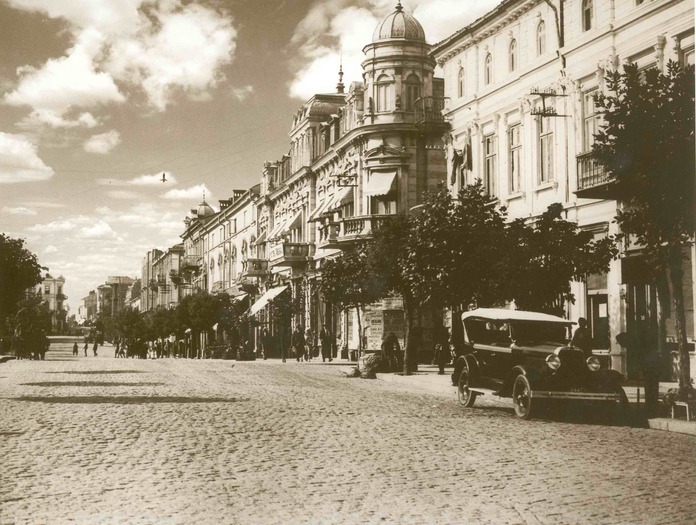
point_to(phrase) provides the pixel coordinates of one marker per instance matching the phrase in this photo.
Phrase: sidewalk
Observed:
(428, 380)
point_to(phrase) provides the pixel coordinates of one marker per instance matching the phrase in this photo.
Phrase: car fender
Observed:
(472, 363)
(532, 374)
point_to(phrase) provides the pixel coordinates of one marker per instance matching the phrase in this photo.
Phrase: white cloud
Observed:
(103, 143)
(19, 210)
(59, 225)
(66, 82)
(50, 249)
(98, 230)
(182, 50)
(242, 93)
(161, 47)
(348, 26)
(194, 192)
(19, 160)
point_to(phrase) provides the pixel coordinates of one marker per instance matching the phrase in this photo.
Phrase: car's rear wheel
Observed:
(522, 397)
(466, 396)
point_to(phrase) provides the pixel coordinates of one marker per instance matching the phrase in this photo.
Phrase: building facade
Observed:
(520, 86)
(51, 292)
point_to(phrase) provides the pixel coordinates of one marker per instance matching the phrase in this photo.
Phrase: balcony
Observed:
(354, 228)
(593, 181)
(161, 279)
(254, 268)
(429, 111)
(289, 253)
(328, 235)
(191, 262)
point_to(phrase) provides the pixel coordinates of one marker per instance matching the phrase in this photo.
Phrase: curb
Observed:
(673, 425)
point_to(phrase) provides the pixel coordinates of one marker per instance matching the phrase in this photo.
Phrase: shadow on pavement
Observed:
(125, 400)
(97, 372)
(88, 383)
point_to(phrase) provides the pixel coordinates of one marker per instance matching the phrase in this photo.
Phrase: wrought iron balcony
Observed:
(254, 268)
(191, 262)
(593, 181)
(429, 110)
(289, 253)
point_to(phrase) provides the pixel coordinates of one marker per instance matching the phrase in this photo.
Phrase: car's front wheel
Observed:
(522, 397)
(466, 396)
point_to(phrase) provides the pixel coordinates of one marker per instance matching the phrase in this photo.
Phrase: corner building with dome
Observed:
(357, 157)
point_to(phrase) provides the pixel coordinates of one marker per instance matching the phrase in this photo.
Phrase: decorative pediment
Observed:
(385, 151)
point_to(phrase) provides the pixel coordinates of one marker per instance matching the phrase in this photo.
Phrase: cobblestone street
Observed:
(103, 440)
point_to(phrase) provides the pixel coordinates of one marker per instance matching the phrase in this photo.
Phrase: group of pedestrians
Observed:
(303, 345)
(95, 347)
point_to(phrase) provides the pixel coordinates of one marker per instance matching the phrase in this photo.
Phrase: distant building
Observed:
(111, 296)
(133, 295)
(51, 291)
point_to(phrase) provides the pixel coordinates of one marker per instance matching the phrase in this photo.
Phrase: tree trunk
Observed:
(675, 276)
(408, 314)
(360, 334)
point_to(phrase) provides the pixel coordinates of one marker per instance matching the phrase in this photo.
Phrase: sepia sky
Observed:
(99, 97)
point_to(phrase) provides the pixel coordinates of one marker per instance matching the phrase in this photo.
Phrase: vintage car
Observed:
(526, 356)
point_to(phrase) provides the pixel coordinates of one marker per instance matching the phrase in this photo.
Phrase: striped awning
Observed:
(380, 183)
(261, 303)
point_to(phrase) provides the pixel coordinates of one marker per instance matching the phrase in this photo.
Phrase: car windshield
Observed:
(539, 332)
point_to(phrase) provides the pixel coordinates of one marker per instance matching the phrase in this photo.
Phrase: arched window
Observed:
(512, 63)
(384, 93)
(541, 38)
(587, 12)
(460, 83)
(411, 91)
(488, 69)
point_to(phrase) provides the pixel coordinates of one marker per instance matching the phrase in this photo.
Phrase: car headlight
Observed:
(553, 362)
(593, 364)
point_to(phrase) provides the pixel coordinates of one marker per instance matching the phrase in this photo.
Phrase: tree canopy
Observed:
(19, 270)
(646, 145)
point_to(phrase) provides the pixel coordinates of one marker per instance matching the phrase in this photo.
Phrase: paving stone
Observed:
(270, 443)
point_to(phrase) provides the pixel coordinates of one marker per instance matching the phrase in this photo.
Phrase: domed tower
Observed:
(397, 69)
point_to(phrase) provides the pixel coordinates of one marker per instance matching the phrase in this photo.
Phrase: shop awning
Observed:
(343, 196)
(294, 222)
(279, 226)
(319, 209)
(261, 238)
(380, 183)
(240, 297)
(265, 298)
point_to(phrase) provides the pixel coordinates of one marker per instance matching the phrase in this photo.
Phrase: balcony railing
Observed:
(593, 180)
(161, 279)
(191, 262)
(254, 268)
(429, 109)
(289, 253)
(328, 234)
(360, 227)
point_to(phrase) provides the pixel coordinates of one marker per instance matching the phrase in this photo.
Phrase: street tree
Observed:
(129, 324)
(647, 147)
(348, 283)
(545, 256)
(30, 325)
(19, 270)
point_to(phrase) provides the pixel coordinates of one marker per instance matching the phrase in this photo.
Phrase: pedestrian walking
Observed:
(265, 344)
(442, 352)
(86, 346)
(44, 347)
(298, 342)
(309, 344)
(390, 346)
(325, 339)
(94, 348)
(75, 350)
(117, 347)
(582, 338)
